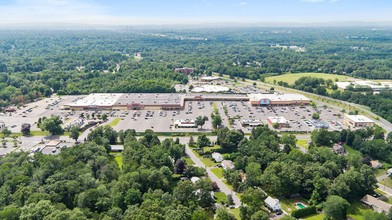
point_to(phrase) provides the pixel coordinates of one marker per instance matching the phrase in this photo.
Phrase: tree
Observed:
(335, 207)
(191, 142)
(104, 117)
(260, 215)
(203, 141)
(6, 132)
(74, 132)
(25, 128)
(223, 214)
(216, 121)
(179, 166)
(316, 116)
(200, 121)
(52, 124)
(229, 200)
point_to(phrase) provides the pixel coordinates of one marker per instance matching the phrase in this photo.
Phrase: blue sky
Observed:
(192, 11)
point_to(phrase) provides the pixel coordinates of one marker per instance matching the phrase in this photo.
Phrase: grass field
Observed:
(39, 133)
(188, 161)
(289, 204)
(206, 161)
(357, 210)
(221, 197)
(315, 217)
(236, 213)
(114, 122)
(118, 159)
(292, 77)
(218, 172)
(303, 143)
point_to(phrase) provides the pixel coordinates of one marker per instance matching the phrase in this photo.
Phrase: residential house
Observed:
(228, 164)
(376, 204)
(217, 157)
(272, 204)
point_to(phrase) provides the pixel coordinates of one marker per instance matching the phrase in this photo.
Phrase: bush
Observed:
(300, 213)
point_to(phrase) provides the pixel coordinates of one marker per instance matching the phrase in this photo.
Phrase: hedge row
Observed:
(300, 213)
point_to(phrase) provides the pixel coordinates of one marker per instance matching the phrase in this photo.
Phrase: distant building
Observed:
(209, 78)
(185, 124)
(228, 164)
(272, 204)
(376, 204)
(376, 164)
(117, 148)
(338, 149)
(184, 70)
(281, 121)
(357, 121)
(195, 179)
(375, 86)
(277, 99)
(319, 123)
(217, 157)
(251, 122)
(210, 89)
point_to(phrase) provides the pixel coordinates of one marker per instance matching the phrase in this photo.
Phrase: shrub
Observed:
(300, 213)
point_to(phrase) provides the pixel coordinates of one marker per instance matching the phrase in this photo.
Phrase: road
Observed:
(213, 177)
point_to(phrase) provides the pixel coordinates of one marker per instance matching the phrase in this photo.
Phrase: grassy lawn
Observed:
(357, 210)
(303, 143)
(350, 150)
(118, 159)
(39, 133)
(289, 204)
(206, 161)
(188, 161)
(114, 122)
(236, 213)
(387, 182)
(221, 197)
(315, 217)
(218, 172)
(292, 77)
(387, 200)
(209, 149)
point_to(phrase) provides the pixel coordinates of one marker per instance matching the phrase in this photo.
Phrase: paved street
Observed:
(213, 177)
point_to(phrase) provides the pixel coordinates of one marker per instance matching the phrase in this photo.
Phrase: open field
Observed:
(292, 77)
(218, 172)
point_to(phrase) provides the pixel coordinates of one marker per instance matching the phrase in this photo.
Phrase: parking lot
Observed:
(32, 111)
(299, 117)
(163, 120)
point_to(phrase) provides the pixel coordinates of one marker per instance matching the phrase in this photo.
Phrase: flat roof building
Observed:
(357, 121)
(251, 122)
(210, 89)
(185, 124)
(278, 99)
(209, 78)
(280, 121)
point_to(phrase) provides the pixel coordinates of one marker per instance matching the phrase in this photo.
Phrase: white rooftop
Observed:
(278, 120)
(359, 118)
(277, 97)
(98, 99)
(210, 88)
(371, 84)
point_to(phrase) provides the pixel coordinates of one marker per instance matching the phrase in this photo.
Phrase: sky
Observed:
(163, 12)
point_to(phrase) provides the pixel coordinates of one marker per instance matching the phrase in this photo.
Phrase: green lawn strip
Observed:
(188, 161)
(292, 77)
(236, 213)
(118, 159)
(303, 143)
(208, 162)
(220, 197)
(387, 182)
(211, 149)
(315, 217)
(39, 133)
(218, 172)
(357, 210)
(114, 122)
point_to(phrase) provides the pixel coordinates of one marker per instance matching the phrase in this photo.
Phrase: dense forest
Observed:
(86, 182)
(38, 63)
